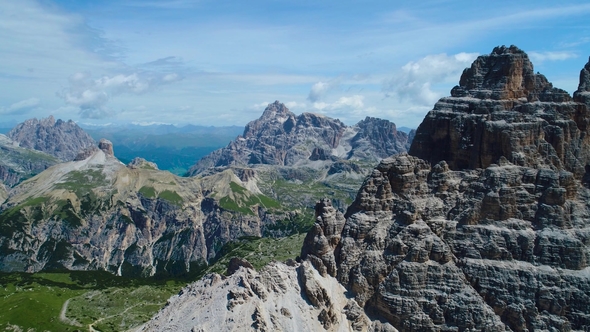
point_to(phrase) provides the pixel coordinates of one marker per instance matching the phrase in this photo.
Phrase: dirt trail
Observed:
(62, 315)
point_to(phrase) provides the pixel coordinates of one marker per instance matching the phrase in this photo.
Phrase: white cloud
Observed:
(415, 80)
(551, 56)
(354, 102)
(23, 104)
(291, 105)
(319, 89)
(20, 107)
(92, 95)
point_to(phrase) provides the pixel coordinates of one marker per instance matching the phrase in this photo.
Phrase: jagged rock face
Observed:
(97, 214)
(492, 231)
(106, 146)
(323, 238)
(377, 137)
(433, 249)
(61, 139)
(502, 108)
(17, 163)
(453, 246)
(3, 193)
(142, 163)
(278, 298)
(281, 138)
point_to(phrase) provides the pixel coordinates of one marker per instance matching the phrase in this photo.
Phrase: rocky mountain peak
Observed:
(62, 139)
(585, 78)
(276, 110)
(139, 163)
(275, 120)
(279, 137)
(501, 108)
(106, 146)
(505, 74)
(582, 95)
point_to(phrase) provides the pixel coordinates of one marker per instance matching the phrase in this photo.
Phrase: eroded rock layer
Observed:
(492, 230)
(97, 214)
(279, 137)
(62, 139)
(502, 108)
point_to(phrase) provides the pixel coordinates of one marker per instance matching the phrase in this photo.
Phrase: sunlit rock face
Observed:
(501, 108)
(95, 213)
(62, 139)
(279, 137)
(485, 224)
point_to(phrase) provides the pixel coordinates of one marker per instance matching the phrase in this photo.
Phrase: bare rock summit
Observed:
(279, 137)
(62, 139)
(501, 108)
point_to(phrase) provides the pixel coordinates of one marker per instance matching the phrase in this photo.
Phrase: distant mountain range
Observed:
(297, 159)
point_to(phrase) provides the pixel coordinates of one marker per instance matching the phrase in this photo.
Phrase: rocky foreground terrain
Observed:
(489, 231)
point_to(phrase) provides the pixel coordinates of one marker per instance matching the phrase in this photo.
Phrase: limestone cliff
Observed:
(279, 137)
(97, 214)
(485, 228)
(301, 158)
(18, 163)
(492, 230)
(62, 139)
(501, 108)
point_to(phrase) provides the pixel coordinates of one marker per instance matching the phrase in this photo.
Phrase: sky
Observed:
(220, 63)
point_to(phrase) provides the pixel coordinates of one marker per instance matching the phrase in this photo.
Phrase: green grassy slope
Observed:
(34, 302)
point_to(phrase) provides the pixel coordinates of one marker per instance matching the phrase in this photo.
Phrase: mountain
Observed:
(281, 138)
(58, 138)
(299, 159)
(173, 148)
(95, 213)
(490, 231)
(17, 164)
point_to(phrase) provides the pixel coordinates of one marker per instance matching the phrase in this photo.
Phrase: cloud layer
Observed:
(416, 80)
(92, 95)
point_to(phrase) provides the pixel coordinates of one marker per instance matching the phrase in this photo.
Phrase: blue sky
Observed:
(220, 62)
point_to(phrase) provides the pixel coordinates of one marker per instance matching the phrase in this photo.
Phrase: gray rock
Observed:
(61, 139)
(18, 163)
(281, 138)
(503, 109)
(142, 163)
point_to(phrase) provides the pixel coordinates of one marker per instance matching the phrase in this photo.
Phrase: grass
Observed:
(258, 251)
(148, 192)
(243, 202)
(33, 301)
(172, 197)
(297, 225)
(307, 193)
(82, 182)
(168, 195)
(236, 188)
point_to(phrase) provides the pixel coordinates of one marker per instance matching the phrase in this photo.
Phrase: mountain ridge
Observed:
(279, 137)
(496, 243)
(96, 213)
(62, 139)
